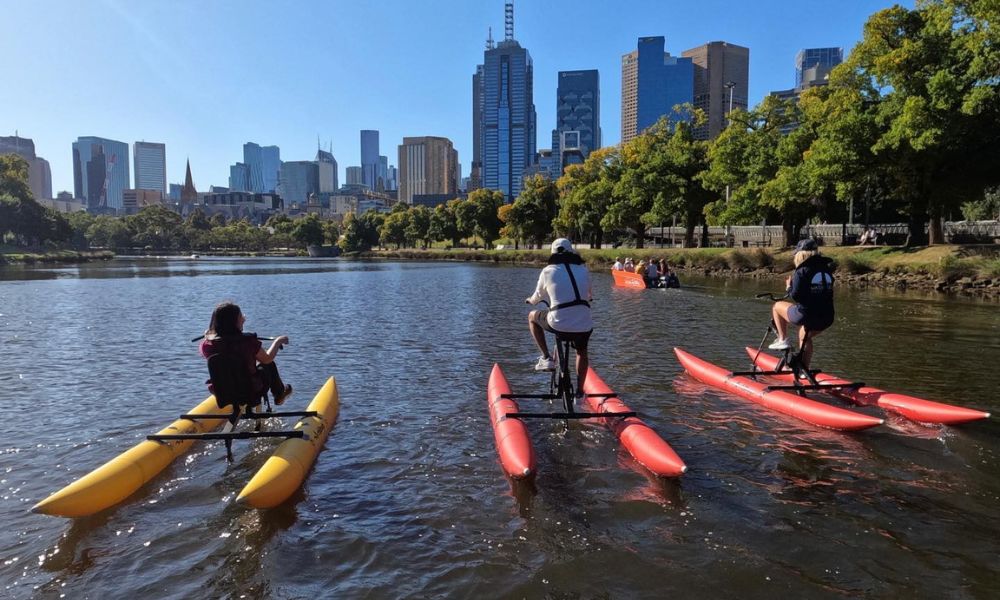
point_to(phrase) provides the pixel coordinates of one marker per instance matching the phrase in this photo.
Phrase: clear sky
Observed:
(205, 76)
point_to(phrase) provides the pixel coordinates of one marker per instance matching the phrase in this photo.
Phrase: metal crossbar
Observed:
(233, 435)
(817, 386)
(253, 415)
(569, 415)
(530, 396)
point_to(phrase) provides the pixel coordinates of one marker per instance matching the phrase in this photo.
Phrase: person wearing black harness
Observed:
(811, 289)
(565, 285)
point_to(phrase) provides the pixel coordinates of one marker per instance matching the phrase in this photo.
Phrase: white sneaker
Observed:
(779, 344)
(545, 364)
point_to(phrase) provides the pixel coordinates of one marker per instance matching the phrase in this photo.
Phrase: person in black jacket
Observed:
(811, 289)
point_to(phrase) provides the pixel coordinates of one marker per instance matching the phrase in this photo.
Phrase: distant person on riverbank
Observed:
(869, 236)
(237, 363)
(811, 289)
(565, 285)
(618, 265)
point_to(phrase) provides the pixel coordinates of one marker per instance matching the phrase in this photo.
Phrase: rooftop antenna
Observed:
(489, 40)
(508, 21)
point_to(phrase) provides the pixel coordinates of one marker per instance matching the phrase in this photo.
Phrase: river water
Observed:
(408, 498)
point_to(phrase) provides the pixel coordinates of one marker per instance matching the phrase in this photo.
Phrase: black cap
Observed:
(807, 245)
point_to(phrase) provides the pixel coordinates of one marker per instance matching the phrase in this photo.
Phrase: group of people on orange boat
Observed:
(657, 273)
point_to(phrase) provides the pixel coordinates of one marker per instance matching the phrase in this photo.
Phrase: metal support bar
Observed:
(572, 415)
(771, 373)
(257, 415)
(530, 396)
(818, 386)
(234, 435)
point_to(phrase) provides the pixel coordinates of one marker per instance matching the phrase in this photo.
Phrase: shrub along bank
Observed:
(971, 270)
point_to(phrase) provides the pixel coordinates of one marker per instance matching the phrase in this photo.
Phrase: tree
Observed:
(418, 226)
(393, 229)
(929, 75)
(331, 232)
(308, 231)
(466, 215)
(361, 232)
(21, 216)
(443, 225)
(198, 220)
(486, 217)
(535, 209)
(585, 192)
(156, 226)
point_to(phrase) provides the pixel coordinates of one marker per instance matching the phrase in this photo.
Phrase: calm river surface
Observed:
(408, 498)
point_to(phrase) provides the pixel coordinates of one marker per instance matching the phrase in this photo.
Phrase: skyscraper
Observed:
(721, 83)
(239, 178)
(369, 158)
(39, 172)
(150, 162)
(327, 167)
(653, 82)
(578, 114)
(264, 164)
(427, 165)
(476, 168)
(299, 178)
(382, 183)
(813, 66)
(508, 115)
(355, 176)
(100, 173)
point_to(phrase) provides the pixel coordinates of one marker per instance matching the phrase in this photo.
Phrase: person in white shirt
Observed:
(629, 265)
(618, 265)
(565, 285)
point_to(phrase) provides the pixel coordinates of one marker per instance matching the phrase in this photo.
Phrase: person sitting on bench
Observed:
(233, 357)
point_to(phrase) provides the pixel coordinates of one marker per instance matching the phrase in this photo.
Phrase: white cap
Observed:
(562, 245)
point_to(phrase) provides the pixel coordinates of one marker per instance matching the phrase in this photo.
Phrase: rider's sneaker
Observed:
(779, 344)
(280, 399)
(545, 364)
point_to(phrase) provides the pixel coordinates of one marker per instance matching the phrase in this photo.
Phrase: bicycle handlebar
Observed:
(771, 297)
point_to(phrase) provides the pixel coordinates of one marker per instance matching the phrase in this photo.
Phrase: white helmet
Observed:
(562, 245)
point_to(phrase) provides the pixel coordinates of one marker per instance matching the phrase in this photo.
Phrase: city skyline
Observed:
(185, 75)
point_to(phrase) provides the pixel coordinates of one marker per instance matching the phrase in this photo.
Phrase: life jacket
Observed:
(230, 379)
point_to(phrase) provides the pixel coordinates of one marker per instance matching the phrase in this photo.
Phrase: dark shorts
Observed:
(580, 339)
(795, 317)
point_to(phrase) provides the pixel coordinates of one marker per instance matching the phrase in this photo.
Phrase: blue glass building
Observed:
(150, 161)
(653, 82)
(100, 173)
(369, 158)
(813, 65)
(299, 178)
(264, 164)
(578, 116)
(508, 113)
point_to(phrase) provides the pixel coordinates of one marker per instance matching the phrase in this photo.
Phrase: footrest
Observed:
(253, 415)
(233, 435)
(530, 396)
(572, 415)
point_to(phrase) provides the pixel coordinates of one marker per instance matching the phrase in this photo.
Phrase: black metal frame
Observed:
(561, 387)
(791, 362)
(233, 418)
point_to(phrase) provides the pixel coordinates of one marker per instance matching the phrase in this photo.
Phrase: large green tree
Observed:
(534, 210)
(486, 204)
(585, 192)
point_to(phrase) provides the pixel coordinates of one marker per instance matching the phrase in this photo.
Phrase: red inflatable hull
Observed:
(917, 409)
(790, 404)
(644, 444)
(629, 280)
(513, 444)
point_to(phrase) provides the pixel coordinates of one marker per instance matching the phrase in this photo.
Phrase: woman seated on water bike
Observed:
(233, 358)
(811, 289)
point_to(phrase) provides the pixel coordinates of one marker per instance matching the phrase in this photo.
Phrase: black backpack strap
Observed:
(579, 301)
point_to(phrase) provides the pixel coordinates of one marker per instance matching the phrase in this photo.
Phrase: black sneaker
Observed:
(279, 400)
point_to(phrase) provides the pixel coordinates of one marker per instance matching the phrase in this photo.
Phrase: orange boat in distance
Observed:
(629, 280)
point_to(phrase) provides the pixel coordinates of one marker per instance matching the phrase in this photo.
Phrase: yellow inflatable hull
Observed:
(288, 467)
(120, 477)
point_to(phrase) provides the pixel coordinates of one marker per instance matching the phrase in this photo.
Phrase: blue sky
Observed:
(205, 76)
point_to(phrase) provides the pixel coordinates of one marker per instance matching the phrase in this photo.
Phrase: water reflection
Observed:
(407, 499)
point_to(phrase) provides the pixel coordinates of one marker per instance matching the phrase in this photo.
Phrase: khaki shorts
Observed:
(580, 339)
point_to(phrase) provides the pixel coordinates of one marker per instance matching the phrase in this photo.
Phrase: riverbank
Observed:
(54, 256)
(967, 270)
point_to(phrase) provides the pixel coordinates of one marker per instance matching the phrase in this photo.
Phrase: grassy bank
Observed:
(53, 256)
(943, 262)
